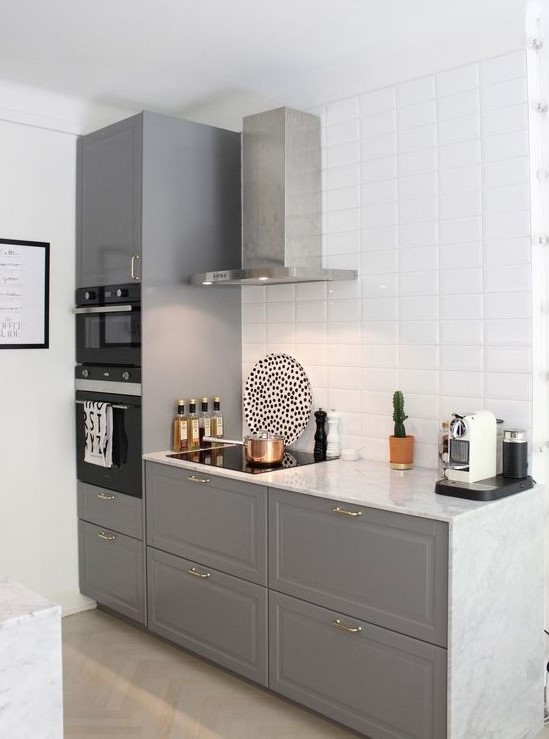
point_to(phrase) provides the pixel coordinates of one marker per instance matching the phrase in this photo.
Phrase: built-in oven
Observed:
(119, 389)
(108, 325)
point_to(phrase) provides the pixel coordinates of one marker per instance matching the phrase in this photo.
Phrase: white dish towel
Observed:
(98, 433)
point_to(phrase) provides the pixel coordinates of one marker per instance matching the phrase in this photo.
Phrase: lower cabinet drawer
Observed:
(220, 617)
(117, 511)
(112, 570)
(373, 680)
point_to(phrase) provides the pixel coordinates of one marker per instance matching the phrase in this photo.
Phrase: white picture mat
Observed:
(22, 294)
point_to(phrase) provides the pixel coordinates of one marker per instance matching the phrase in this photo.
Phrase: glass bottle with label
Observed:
(217, 419)
(180, 430)
(193, 427)
(204, 421)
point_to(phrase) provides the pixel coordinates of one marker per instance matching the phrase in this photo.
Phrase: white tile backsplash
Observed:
(426, 194)
(457, 80)
(504, 94)
(458, 105)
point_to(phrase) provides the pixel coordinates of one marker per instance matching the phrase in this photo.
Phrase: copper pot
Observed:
(264, 448)
(261, 447)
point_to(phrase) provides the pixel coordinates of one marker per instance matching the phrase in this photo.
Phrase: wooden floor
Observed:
(121, 682)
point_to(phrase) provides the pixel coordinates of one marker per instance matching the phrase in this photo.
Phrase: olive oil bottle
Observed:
(217, 419)
(204, 421)
(192, 425)
(180, 429)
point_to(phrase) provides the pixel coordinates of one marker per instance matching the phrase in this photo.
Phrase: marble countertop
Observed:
(18, 602)
(362, 482)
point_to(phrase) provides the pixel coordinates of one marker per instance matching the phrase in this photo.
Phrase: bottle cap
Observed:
(204, 400)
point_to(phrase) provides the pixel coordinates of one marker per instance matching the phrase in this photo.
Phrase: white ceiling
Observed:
(177, 56)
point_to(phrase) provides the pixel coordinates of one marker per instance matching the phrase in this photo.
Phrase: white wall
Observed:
(38, 544)
(426, 194)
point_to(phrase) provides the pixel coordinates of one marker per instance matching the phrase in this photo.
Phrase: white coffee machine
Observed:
(471, 447)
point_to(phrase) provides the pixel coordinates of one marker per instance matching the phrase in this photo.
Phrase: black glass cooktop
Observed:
(232, 457)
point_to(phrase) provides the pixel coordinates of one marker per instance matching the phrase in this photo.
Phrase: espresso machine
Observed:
(471, 466)
(471, 447)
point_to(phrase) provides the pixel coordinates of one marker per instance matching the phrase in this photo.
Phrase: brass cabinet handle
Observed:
(106, 537)
(135, 259)
(104, 496)
(343, 512)
(194, 478)
(196, 573)
(349, 629)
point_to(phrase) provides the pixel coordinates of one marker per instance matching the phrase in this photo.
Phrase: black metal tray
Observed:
(492, 488)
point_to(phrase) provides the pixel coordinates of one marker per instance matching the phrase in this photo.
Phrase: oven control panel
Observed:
(108, 373)
(108, 294)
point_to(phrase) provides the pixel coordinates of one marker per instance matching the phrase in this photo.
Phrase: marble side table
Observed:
(31, 693)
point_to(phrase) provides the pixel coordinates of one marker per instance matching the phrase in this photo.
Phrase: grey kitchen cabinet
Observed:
(371, 679)
(111, 550)
(386, 568)
(158, 199)
(108, 233)
(213, 520)
(111, 569)
(123, 513)
(220, 617)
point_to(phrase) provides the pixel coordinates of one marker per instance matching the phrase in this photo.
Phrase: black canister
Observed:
(515, 453)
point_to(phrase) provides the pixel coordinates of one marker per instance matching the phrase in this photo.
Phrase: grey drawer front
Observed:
(217, 616)
(386, 568)
(117, 511)
(220, 523)
(383, 684)
(112, 570)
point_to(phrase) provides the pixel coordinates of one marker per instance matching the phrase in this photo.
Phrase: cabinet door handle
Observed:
(106, 537)
(343, 512)
(349, 629)
(135, 259)
(196, 573)
(104, 496)
(195, 478)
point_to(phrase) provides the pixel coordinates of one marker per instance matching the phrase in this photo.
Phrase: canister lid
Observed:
(515, 435)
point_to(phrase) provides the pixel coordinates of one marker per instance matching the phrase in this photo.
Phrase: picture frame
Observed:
(24, 294)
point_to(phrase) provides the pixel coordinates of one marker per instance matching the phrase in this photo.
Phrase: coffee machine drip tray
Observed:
(492, 488)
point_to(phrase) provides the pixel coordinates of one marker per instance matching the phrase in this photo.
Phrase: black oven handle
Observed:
(105, 309)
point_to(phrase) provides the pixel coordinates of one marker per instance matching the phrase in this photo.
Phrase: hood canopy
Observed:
(281, 204)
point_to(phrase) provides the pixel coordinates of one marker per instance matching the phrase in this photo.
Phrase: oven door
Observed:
(124, 475)
(108, 334)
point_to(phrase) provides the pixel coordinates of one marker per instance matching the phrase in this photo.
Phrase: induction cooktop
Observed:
(232, 457)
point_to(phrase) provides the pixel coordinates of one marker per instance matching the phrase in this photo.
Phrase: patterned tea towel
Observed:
(98, 433)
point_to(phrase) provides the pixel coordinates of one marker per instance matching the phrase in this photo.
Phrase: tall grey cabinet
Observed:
(158, 199)
(109, 189)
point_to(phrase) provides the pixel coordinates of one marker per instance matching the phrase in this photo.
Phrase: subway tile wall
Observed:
(426, 194)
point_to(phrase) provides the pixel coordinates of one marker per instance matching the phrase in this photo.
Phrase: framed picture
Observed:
(24, 294)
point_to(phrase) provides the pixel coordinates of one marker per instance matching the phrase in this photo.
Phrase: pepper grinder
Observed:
(321, 440)
(332, 450)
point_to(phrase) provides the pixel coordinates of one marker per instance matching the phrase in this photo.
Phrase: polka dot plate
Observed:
(277, 397)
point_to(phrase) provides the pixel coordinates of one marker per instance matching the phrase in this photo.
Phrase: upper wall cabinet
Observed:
(109, 200)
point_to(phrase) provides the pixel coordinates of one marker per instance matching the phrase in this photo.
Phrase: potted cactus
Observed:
(401, 446)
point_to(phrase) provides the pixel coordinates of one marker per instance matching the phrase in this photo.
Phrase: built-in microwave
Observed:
(108, 325)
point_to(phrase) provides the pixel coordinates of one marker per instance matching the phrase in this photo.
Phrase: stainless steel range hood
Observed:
(281, 204)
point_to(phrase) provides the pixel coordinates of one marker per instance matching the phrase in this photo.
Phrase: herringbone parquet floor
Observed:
(120, 682)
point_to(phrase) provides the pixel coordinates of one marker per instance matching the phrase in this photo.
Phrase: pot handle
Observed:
(223, 440)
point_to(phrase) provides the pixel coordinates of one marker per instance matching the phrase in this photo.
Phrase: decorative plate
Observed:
(277, 397)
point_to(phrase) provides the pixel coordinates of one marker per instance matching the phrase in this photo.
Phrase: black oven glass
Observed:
(109, 338)
(124, 475)
(112, 330)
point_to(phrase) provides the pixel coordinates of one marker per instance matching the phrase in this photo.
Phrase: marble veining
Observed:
(31, 699)
(362, 482)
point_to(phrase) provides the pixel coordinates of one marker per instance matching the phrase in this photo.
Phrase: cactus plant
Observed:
(398, 414)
